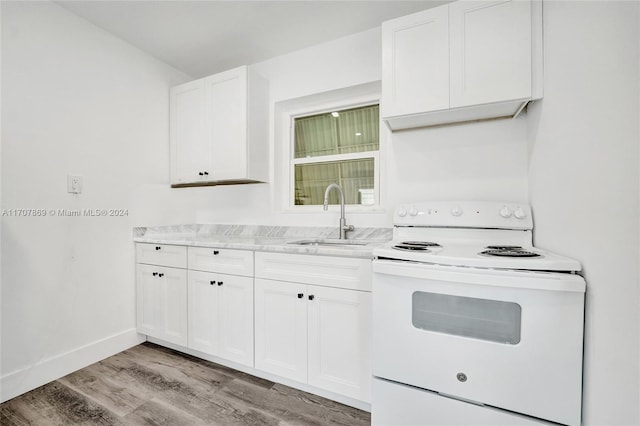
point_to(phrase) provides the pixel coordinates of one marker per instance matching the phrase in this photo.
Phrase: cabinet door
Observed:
(340, 341)
(148, 301)
(415, 63)
(174, 297)
(226, 110)
(162, 303)
(190, 150)
(281, 328)
(203, 305)
(235, 319)
(490, 51)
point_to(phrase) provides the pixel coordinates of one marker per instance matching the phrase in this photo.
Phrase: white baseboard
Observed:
(47, 370)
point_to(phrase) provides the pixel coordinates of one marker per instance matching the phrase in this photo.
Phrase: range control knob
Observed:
(402, 212)
(456, 211)
(519, 213)
(413, 211)
(505, 212)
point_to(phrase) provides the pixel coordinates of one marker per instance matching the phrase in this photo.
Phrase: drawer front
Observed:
(161, 254)
(225, 261)
(350, 273)
(395, 404)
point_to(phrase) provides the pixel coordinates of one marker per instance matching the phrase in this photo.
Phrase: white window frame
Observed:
(290, 162)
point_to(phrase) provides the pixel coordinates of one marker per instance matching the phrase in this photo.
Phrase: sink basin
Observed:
(330, 243)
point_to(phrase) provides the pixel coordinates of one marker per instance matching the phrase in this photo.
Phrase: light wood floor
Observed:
(152, 385)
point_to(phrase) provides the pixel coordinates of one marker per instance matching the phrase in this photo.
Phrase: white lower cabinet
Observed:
(221, 315)
(162, 302)
(315, 335)
(339, 341)
(305, 318)
(281, 328)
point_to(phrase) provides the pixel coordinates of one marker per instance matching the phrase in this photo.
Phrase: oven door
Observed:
(508, 339)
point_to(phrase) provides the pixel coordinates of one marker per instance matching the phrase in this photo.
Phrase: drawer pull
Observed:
(216, 252)
(161, 275)
(158, 247)
(206, 173)
(155, 274)
(300, 295)
(220, 283)
(311, 297)
(212, 282)
(200, 173)
(461, 377)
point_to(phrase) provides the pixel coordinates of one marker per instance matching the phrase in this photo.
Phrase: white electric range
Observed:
(472, 324)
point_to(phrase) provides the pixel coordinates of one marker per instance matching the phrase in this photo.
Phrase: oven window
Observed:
(492, 320)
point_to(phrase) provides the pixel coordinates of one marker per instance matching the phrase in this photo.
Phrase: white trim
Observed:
(52, 368)
(340, 100)
(361, 405)
(349, 208)
(335, 157)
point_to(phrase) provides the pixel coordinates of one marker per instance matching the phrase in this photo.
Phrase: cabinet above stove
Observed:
(460, 62)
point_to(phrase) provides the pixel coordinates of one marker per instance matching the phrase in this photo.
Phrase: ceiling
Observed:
(206, 37)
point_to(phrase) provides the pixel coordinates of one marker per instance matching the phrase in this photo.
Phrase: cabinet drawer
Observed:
(326, 271)
(396, 405)
(161, 254)
(225, 261)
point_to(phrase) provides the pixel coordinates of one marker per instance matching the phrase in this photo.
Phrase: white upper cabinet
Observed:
(219, 129)
(415, 58)
(226, 106)
(490, 45)
(468, 60)
(188, 150)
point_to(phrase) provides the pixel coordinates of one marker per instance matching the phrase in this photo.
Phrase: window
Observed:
(338, 146)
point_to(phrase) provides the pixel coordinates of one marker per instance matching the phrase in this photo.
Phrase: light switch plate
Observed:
(74, 184)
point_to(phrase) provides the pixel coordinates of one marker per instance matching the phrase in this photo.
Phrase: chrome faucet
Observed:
(343, 223)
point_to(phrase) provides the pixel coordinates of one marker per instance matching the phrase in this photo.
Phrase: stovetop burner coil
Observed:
(509, 253)
(503, 247)
(422, 246)
(421, 243)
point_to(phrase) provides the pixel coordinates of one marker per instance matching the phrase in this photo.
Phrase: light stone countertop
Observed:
(276, 239)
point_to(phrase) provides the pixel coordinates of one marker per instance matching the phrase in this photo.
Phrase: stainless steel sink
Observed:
(331, 243)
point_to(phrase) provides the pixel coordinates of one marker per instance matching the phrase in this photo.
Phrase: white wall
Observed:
(75, 100)
(0, 198)
(483, 161)
(583, 178)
